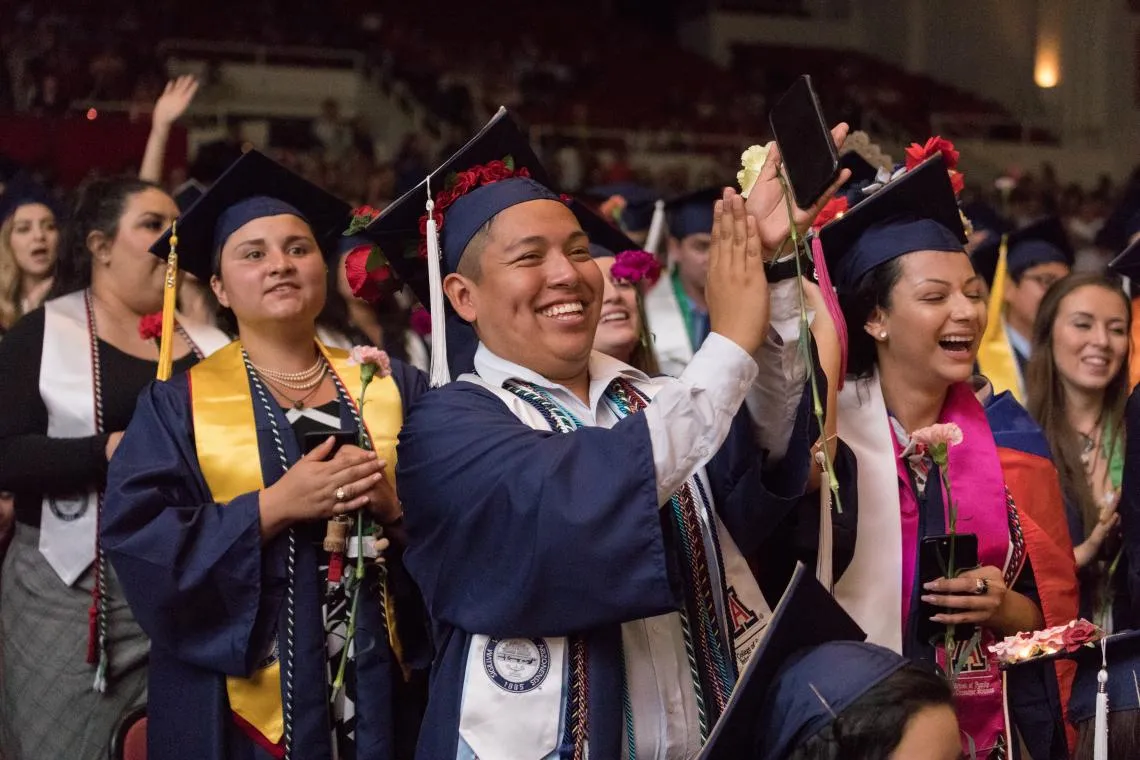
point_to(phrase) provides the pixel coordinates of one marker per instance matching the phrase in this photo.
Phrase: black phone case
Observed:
(807, 185)
(343, 438)
(933, 560)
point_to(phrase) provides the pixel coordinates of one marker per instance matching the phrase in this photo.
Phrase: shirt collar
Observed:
(1017, 341)
(603, 369)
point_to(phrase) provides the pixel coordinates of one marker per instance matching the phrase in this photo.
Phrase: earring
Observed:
(883, 335)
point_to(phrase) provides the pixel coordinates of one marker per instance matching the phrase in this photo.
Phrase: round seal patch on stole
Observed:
(517, 665)
(68, 509)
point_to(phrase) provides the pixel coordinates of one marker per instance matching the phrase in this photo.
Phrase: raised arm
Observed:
(169, 107)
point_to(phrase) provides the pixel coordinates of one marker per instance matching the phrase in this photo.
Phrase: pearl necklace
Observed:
(298, 381)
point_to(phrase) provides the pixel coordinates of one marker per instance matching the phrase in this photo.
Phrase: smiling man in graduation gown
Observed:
(577, 528)
(214, 520)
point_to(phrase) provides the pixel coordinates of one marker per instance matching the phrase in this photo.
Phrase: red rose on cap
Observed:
(916, 153)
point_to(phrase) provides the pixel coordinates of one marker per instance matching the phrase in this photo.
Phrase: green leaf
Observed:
(358, 224)
(376, 259)
(450, 181)
(509, 160)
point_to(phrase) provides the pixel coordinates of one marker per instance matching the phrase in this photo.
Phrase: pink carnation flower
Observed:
(370, 356)
(947, 433)
(635, 267)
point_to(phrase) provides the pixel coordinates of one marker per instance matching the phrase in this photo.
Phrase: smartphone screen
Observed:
(933, 562)
(806, 147)
(343, 438)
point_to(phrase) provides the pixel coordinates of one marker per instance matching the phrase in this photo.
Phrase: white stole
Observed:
(870, 590)
(667, 324)
(67, 387)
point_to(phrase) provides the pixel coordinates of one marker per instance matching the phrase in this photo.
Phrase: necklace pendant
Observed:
(298, 404)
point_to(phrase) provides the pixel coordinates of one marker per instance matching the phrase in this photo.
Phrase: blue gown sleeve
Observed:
(192, 569)
(520, 532)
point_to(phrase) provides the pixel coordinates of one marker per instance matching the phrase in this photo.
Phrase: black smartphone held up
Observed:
(933, 561)
(806, 148)
(343, 438)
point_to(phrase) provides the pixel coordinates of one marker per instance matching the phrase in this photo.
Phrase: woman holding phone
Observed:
(915, 312)
(283, 624)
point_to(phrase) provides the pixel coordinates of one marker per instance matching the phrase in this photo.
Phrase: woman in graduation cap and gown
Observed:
(556, 581)
(915, 313)
(234, 545)
(73, 658)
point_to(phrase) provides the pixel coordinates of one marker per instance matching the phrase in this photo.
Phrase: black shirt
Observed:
(32, 464)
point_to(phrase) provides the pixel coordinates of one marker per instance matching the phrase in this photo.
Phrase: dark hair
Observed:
(1047, 394)
(872, 728)
(98, 207)
(873, 290)
(1123, 735)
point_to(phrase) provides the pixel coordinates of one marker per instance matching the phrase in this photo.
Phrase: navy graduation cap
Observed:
(24, 191)
(637, 216)
(810, 665)
(917, 211)
(1040, 242)
(1122, 653)
(692, 213)
(605, 239)
(252, 187)
(495, 170)
(186, 194)
(863, 173)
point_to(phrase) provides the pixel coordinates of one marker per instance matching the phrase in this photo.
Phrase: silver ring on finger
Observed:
(341, 494)
(982, 587)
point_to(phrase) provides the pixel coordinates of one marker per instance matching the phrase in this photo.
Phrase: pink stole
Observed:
(979, 488)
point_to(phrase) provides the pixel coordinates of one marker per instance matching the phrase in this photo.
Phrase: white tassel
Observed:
(1100, 742)
(100, 683)
(440, 373)
(824, 566)
(656, 233)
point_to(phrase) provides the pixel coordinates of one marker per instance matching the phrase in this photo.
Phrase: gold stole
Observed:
(995, 356)
(225, 435)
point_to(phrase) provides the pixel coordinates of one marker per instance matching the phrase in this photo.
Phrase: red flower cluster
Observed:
(362, 216)
(150, 326)
(366, 285)
(636, 267)
(935, 146)
(835, 208)
(461, 183)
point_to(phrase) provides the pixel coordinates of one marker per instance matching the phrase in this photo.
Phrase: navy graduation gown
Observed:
(211, 597)
(517, 532)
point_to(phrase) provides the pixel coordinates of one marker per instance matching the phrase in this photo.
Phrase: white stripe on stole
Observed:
(67, 387)
(871, 588)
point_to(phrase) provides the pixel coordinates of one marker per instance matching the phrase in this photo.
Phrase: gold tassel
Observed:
(393, 634)
(169, 301)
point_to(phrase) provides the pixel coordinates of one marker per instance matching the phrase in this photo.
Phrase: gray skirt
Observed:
(48, 708)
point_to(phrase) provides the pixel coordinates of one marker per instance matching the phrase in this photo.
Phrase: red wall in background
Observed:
(67, 149)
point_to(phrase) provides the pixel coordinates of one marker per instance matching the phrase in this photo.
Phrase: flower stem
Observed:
(805, 348)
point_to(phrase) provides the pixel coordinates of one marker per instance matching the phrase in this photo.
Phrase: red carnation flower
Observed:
(362, 216)
(636, 267)
(835, 208)
(366, 285)
(916, 153)
(150, 326)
